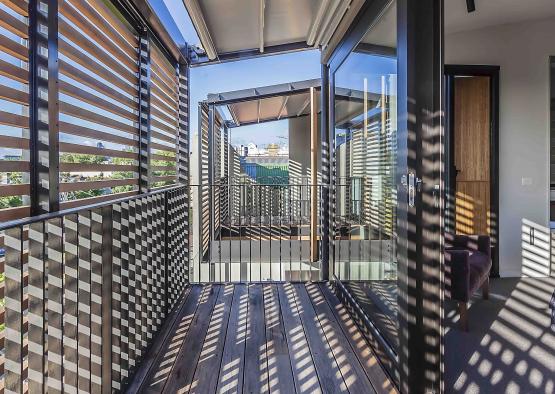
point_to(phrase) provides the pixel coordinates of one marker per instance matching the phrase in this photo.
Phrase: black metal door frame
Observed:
(452, 71)
(418, 367)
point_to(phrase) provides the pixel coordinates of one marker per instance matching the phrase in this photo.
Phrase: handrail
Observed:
(65, 212)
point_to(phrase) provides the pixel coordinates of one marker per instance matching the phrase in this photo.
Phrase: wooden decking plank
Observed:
(160, 345)
(375, 373)
(230, 379)
(182, 373)
(327, 368)
(349, 365)
(255, 377)
(280, 376)
(304, 371)
(160, 371)
(212, 350)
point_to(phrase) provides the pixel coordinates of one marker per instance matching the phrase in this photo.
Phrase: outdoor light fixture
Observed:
(195, 12)
(470, 6)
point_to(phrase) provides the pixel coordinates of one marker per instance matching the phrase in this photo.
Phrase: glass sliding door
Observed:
(365, 155)
(386, 134)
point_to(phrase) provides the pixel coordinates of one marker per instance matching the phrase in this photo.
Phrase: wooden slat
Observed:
(14, 213)
(97, 68)
(324, 361)
(161, 95)
(70, 128)
(96, 101)
(155, 112)
(91, 13)
(9, 119)
(93, 150)
(92, 167)
(170, 91)
(14, 166)
(94, 200)
(155, 102)
(169, 178)
(13, 25)
(160, 372)
(13, 48)
(21, 189)
(162, 126)
(163, 137)
(375, 373)
(280, 375)
(156, 356)
(162, 147)
(256, 367)
(113, 21)
(162, 158)
(230, 377)
(11, 71)
(212, 350)
(19, 6)
(169, 80)
(182, 373)
(163, 168)
(93, 185)
(302, 363)
(353, 374)
(125, 55)
(161, 59)
(70, 109)
(98, 54)
(92, 82)
(13, 142)
(14, 95)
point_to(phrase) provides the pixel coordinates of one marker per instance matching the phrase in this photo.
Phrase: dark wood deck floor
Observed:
(286, 338)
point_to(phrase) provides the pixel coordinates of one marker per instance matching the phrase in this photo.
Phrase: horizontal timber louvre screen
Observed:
(87, 290)
(99, 105)
(164, 99)
(14, 111)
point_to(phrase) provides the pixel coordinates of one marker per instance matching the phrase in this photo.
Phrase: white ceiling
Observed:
(494, 12)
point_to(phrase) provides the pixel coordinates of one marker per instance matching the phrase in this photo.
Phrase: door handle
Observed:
(412, 189)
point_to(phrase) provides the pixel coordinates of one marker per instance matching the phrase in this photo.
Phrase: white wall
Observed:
(522, 51)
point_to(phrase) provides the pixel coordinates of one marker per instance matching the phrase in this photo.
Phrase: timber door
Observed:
(471, 126)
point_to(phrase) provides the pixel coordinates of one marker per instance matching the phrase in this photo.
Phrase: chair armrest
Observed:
(457, 275)
(481, 243)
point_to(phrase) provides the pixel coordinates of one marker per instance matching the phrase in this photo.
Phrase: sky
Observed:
(245, 74)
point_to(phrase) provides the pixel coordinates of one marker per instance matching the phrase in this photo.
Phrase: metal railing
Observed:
(255, 232)
(84, 291)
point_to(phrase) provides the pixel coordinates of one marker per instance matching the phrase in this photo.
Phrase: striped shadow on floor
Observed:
(253, 338)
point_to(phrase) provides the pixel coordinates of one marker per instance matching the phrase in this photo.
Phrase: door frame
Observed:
(420, 128)
(452, 71)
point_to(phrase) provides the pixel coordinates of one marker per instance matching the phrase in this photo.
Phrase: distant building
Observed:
(273, 149)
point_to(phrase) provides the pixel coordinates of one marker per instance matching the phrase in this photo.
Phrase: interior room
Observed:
(498, 147)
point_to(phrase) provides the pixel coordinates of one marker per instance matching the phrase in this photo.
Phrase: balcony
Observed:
(101, 297)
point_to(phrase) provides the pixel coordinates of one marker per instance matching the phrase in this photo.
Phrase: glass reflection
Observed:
(365, 158)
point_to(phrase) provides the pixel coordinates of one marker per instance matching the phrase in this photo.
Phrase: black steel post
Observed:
(326, 171)
(43, 107)
(184, 127)
(145, 172)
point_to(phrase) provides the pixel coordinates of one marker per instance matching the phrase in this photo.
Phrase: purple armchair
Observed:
(468, 265)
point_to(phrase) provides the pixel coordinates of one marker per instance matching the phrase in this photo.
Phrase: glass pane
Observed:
(365, 158)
